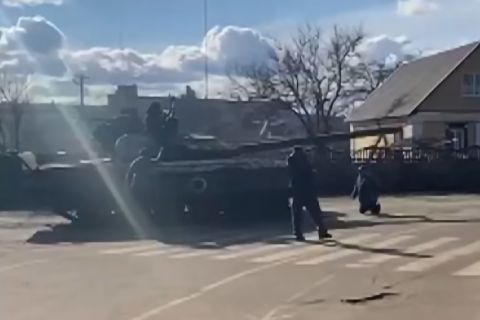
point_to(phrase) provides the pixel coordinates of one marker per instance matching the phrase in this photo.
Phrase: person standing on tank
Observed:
(302, 182)
(155, 121)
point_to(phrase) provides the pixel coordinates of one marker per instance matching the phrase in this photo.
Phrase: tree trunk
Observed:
(16, 133)
(3, 138)
(326, 124)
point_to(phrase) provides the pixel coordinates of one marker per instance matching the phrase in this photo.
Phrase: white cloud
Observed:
(176, 64)
(416, 7)
(115, 66)
(33, 45)
(36, 45)
(451, 25)
(231, 45)
(386, 49)
(20, 3)
(36, 35)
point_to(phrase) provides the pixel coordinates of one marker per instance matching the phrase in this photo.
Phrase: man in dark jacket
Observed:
(138, 179)
(304, 194)
(367, 190)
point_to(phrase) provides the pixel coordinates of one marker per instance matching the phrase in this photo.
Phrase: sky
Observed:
(160, 44)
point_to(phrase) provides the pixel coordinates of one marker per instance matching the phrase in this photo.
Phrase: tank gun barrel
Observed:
(317, 140)
(185, 153)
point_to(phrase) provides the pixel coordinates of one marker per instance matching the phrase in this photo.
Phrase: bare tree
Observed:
(366, 76)
(14, 95)
(307, 76)
(2, 136)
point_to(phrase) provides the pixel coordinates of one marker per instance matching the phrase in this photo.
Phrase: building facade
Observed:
(434, 100)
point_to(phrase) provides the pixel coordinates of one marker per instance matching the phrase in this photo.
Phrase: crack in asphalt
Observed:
(370, 298)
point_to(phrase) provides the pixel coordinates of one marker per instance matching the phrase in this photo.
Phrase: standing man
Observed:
(155, 122)
(304, 194)
(138, 179)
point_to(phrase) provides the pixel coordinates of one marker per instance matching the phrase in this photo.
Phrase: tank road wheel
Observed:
(198, 185)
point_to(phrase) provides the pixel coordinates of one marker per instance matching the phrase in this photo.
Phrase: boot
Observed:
(299, 237)
(323, 234)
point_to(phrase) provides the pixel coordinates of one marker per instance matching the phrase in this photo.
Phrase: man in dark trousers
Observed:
(304, 194)
(367, 190)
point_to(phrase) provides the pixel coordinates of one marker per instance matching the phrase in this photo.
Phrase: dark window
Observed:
(468, 85)
(471, 85)
(477, 85)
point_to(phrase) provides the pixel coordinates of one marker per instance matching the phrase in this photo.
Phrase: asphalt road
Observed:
(421, 259)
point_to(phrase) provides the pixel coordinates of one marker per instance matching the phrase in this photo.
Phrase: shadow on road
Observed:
(214, 234)
(223, 233)
(388, 251)
(423, 218)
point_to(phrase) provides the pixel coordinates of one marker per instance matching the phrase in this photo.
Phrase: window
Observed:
(477, 85)
(471, 85)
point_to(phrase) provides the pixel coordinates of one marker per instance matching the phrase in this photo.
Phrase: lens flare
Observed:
(126, 208)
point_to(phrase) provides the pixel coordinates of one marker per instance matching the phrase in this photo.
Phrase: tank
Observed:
(231, 185)
(193, 177)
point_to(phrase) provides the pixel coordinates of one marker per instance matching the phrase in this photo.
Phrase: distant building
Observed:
(50, 128)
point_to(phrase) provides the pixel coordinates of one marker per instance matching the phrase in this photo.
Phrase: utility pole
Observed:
(79, 80)
(121, 33)
(205, 25)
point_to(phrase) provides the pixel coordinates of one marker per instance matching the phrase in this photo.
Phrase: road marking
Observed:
(382, 258)
(305, 248)
(197, 253)
(425, 264)
(343, 253)
(355, 265)
(471, 271)
(301, 249)
(204, 290)
(132, 249)
(335, 251)
(21, 265)
(273, 314)
(250, 251)
(158, 252)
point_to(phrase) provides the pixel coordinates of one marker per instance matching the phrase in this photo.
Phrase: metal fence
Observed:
(415, 155)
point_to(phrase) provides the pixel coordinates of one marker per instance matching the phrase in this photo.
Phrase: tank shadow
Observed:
(209, 234)
(223, 233)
